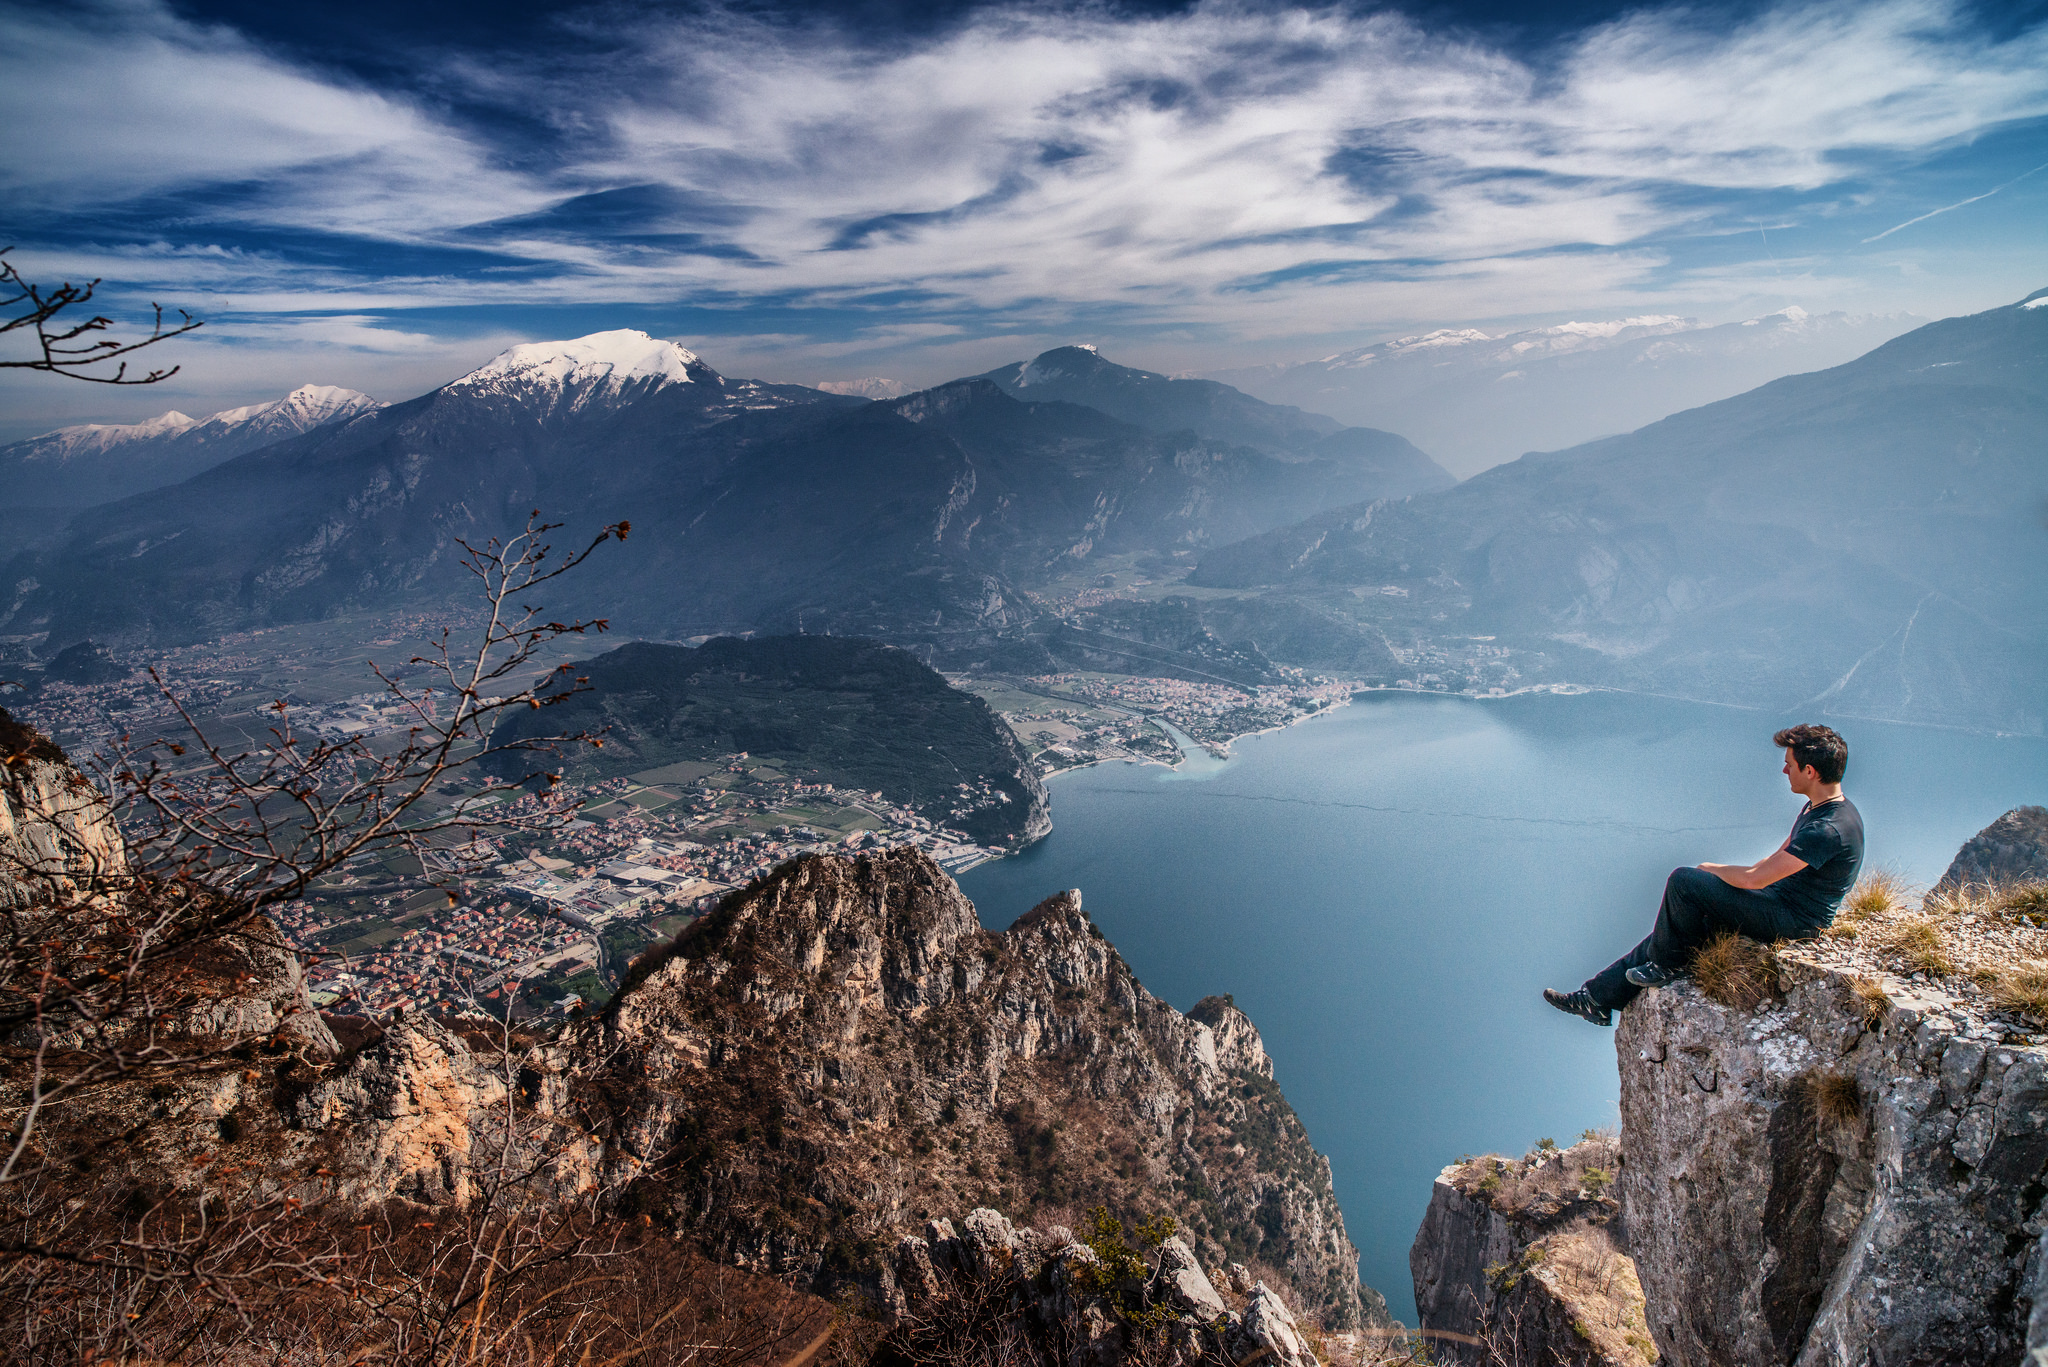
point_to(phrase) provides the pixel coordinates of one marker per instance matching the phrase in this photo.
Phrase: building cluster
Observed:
(1213, 713)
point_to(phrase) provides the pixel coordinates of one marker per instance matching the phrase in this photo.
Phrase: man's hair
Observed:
(1817, 748)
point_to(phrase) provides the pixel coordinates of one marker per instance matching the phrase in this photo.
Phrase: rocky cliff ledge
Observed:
(1526, 1261)
(1848, 1171)
(841, 1052)
(1832, 1153)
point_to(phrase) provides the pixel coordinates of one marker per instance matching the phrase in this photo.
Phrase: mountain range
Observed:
(1870, 540)
(1474, 399)
(760, 505)
(1865, 540)
(75, 467)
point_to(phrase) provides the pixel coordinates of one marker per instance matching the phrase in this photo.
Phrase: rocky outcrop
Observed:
(1849, 1175)
(841, 1052)
(1095, 1300)
(833, 1058)
(56, 836)
(836, 1055)
(2012, 849)
(1526, 1261)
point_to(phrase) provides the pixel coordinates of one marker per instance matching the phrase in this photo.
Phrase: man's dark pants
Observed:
(1697, 907)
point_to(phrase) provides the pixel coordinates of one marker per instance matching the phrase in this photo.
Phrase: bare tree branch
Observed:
(66, 349)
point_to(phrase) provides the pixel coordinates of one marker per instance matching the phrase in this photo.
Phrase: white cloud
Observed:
(118, 99)
(1059, 168)
(1204, 137)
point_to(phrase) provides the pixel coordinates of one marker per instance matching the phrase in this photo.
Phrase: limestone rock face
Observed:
(55, 830)
(2012, 849)
(1833, 1180)
(416, 1112)
(1526, 1261)
(992, 1281)
(1186, 1285)
(841, 1051)
(1268, 1327)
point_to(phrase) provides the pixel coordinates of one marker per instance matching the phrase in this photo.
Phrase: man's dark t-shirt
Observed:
(1829, 838)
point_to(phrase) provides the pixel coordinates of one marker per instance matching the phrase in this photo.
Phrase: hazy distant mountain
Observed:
(754, 506)
(1079, 374)
(1869, 540)
(361, 513)
(97, 462)
(869, 387)
(1474, 399)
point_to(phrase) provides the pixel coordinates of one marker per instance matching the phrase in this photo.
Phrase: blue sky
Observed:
(383, 194)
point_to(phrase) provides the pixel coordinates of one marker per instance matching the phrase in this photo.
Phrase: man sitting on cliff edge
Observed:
(1792, 895)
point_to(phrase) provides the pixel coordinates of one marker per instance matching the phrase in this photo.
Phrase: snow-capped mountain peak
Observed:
(601, 363)
(96, 461)
(305, 408)
(88, 437)
(1791, 314)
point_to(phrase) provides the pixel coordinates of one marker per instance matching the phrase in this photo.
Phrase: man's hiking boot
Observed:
(1580, 1004)
(1654, 975)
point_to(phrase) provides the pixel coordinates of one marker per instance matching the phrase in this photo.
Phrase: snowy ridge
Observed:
(92, 438)
(583, 368)
(305, 408)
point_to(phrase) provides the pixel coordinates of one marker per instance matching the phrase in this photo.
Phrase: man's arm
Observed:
(1761, 874)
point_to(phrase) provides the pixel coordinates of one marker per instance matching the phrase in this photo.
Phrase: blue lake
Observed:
(1386, 888)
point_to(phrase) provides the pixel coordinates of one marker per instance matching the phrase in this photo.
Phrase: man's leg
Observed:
(1696, 906)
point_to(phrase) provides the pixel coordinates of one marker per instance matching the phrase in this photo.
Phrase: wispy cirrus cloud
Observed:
(1227, 173)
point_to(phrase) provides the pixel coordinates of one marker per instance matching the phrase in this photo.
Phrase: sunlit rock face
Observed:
(843, 1047)
(1839, 1177)
(1526, 1260)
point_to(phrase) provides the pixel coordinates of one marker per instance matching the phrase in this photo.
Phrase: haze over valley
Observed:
(1865, 540)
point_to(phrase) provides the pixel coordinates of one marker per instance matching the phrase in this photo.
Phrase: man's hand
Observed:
(1758, 875)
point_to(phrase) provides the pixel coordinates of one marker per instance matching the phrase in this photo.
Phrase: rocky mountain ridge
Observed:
(73, 467)
(2012, 849)
(842, 1051)
(836, 1057)
(926, 520)
(1526, 1260)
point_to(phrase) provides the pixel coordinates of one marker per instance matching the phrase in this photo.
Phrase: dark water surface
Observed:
(1386, 888)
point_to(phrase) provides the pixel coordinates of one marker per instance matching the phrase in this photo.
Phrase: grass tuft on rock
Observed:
(1880, 892)
(1919, 944)
(1836, 1097)
(1736, 971)
(1871, 999)
(2023, 902)
(2023, 990)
